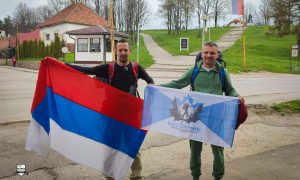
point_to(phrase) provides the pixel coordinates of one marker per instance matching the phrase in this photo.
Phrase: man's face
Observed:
(209, 56)
(123, 52)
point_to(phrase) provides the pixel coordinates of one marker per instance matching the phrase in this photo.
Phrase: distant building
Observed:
(93, 45)
(2, 34)
(75, 16)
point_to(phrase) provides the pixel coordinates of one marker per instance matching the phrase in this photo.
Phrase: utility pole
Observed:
(203, 17)
(17, 44)
(138, 32)
(112, 32)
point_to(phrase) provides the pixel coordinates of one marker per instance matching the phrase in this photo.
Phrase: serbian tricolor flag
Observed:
(236, 7)
(85, 120)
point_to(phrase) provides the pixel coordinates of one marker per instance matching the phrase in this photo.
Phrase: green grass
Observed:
(263, 53)
(170, 42)
(69, 57)
(290, 106)
(145, 59)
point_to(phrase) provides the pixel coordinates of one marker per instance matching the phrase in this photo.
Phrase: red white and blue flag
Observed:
(236, 7)
(84, 119)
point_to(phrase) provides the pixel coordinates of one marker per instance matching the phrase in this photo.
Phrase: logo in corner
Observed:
(21, 169)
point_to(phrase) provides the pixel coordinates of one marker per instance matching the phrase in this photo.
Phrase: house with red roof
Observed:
(75, 16)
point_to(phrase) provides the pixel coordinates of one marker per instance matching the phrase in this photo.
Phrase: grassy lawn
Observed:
(69, 57)
(263, 53)
(290, 106)
(170, 42)
(145, 59)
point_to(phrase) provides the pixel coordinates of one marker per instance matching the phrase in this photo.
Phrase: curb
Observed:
(21, 69)
(14, 122)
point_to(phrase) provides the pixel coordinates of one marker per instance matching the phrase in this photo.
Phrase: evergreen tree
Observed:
(57, 47)
(25, 49)
(35, 49)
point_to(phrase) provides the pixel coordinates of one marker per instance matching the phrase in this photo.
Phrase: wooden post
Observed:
(244, 46)
(112, 31)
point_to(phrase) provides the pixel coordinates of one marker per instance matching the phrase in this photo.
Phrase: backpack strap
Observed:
(135, 70)
(194, 75)
(195, 71)
(111, 71)
(222, 76)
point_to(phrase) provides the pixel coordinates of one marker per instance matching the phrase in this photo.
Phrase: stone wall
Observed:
(25, 64)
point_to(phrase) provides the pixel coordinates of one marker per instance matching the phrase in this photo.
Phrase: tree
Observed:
(284, 13)
(8, 26)
(1, 25)
(218, 10)
(265, 11)
(57, 5)
(119, 12)
(25, 17)
(43, 13)
(166, 10)
(198, 9)
(188, 9)
(207, 6)
(134, 16)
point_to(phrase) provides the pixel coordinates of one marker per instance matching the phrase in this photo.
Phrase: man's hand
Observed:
(241, 99)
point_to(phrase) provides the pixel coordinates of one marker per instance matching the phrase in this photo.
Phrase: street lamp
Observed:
(203, 17)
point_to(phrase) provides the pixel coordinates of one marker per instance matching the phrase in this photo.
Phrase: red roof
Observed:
(95, 30)
(76, 13)
(33, 35)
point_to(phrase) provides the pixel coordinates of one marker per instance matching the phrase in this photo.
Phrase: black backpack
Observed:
(221, 70)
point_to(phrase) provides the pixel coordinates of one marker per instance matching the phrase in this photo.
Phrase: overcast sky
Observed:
(8, 6)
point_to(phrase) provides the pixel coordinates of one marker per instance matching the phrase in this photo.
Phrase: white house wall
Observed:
(2, 34)
(60, 29)
(90, 56)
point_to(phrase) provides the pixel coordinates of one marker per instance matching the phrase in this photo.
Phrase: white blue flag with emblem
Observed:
(193, 115)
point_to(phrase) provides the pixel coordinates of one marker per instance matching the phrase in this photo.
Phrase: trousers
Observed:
(195, 160)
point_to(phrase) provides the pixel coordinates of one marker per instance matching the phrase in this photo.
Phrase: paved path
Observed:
(227, 40)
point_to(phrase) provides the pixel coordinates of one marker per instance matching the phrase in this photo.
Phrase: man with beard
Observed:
(123, 79)
(208, 80)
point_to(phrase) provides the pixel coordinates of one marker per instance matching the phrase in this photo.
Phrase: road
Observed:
(265, 147)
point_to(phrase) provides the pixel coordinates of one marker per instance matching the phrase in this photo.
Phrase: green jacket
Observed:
(206, 82)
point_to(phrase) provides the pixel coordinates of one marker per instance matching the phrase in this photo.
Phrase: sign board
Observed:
(64, 50)
(295, 51)
(184, 44)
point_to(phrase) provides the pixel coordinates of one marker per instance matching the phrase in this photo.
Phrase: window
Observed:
(107, 45)
(95, 45)
(82, 45)
(47, 37)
